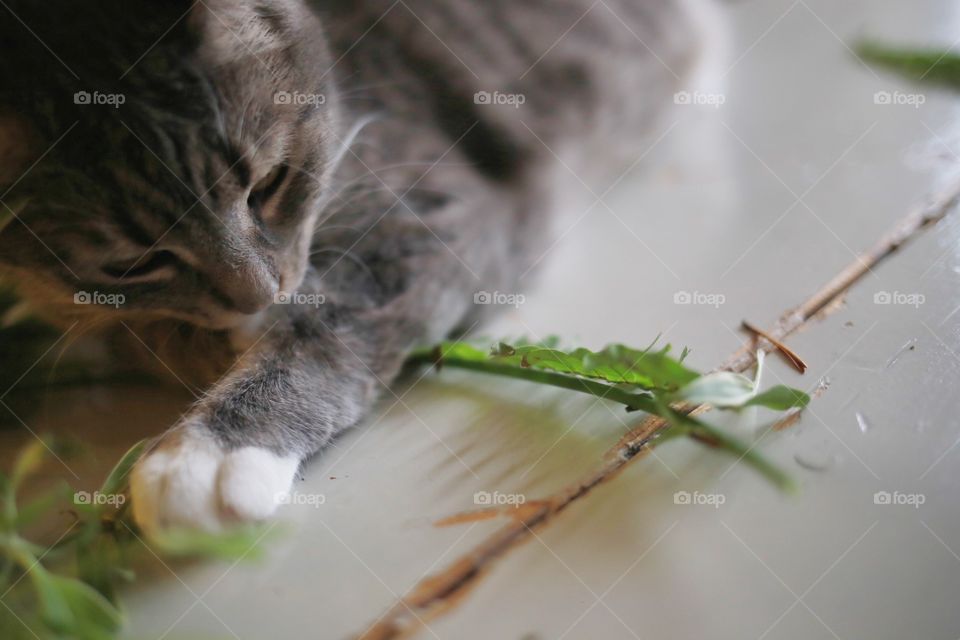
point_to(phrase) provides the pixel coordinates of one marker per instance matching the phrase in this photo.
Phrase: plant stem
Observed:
(733, 446)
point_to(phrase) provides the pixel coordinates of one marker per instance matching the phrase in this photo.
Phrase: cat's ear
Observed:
(232, 29)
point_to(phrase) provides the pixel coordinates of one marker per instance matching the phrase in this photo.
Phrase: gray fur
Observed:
(402, 199)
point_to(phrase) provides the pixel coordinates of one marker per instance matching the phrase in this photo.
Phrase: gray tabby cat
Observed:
(202, 162)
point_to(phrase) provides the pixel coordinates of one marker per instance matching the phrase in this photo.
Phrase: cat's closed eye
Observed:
(267, 187)
(150, 266)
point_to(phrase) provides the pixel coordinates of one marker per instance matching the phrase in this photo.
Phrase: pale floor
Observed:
(761, 200)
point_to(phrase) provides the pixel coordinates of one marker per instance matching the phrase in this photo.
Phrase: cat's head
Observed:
(162, 158)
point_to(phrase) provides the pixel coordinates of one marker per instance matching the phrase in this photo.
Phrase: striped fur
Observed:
(400, 193)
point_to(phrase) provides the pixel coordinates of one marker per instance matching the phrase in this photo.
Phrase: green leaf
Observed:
(576, 370)
(615, 363)
(723, 389)
(728, 390)
(780, 398)
(743, 451)
(54, 608)
(97, 565)
(932, 66)
(16, 623)
(461, 350)
(96, 616)
(74, 608)
(234, 544)
(116, 481)
(28, 461)
(42, 505)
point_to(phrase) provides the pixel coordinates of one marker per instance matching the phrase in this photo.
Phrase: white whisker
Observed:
(349, 139)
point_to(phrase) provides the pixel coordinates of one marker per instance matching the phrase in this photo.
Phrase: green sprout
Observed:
(642, 380)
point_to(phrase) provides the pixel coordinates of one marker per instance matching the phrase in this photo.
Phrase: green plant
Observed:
(642, 380)
(932, 66)
(68, 589)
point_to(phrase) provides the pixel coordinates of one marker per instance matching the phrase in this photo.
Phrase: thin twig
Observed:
(791, 357)
(438, 593)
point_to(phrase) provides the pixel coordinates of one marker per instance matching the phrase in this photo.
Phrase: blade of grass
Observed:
(932, 66)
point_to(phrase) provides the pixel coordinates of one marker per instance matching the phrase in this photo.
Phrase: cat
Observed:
(273, 201)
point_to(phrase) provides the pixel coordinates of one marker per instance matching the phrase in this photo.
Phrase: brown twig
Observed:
(791, 357)
(438, 593)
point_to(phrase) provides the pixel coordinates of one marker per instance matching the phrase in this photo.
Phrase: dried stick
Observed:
(436, 594)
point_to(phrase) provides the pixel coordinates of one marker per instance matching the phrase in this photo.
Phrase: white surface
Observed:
(760, 200)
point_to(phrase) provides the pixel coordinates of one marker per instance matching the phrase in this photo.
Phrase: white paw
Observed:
(189, 481)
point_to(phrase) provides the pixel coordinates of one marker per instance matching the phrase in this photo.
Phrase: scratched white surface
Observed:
(760, 200)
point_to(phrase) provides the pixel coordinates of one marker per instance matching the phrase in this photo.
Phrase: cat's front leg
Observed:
(318, 369)
(234, 456)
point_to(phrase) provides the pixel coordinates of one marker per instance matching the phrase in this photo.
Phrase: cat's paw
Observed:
(189, 481)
